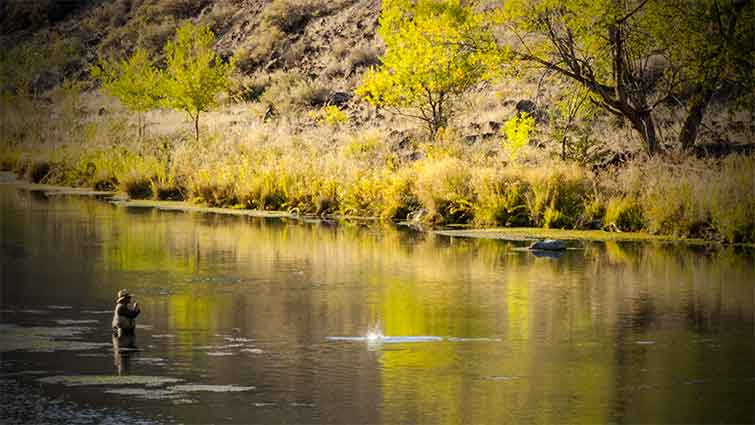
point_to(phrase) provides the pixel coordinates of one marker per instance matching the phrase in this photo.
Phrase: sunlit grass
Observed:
(296, 165)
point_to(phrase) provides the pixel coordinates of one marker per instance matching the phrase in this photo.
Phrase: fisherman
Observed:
(124, 316)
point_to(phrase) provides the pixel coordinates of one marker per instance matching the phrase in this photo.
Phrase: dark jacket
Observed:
(123, 317)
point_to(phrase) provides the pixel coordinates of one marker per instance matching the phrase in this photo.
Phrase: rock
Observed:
(339, 98)
(548, 245)
(527, 106)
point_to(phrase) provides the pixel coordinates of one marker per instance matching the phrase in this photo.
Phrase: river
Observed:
(255, 320)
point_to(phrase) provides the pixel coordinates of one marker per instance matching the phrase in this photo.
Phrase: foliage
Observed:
(195, 74)
(517, 131)
(289, 92)
(135, 82)
(631, 56)
(445, 189)
(623, 213)
(430, 60)
(330, 115)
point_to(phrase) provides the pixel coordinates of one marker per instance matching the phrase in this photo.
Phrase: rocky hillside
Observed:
(316, 38)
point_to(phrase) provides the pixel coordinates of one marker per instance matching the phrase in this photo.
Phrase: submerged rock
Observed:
(549, 245)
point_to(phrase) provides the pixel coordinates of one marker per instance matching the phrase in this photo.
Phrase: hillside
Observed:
(319, 39)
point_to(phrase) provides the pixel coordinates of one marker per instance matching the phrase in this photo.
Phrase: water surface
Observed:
(251, 320)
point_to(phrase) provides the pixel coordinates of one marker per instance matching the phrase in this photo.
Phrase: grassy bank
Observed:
(309, 168)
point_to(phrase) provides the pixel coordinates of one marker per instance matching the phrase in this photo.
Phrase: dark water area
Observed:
(249, 320)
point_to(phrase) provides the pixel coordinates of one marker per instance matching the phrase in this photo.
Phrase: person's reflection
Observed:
(123, 347)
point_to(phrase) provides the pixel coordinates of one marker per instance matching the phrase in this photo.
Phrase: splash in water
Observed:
(374, 334)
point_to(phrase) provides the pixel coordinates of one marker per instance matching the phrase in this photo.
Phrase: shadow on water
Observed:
(619, 332)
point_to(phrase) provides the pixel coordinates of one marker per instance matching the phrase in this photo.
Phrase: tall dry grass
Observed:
(296, 164)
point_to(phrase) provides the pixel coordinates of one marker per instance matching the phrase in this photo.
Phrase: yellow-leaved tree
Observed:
(436, 50)
(195, 74)
(134, 81)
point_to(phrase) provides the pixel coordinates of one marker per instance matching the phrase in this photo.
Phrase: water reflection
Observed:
(123, 347)
(618, 332)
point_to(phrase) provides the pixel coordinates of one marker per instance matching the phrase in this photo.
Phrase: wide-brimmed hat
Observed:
(122, 295)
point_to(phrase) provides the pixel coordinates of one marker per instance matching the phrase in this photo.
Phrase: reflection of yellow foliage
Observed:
(518, 310)
(616, 255)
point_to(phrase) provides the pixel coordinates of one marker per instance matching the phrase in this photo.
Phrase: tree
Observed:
(634, 55)
(710, 42)
(134, 81)
(436, 50)
(195, 74)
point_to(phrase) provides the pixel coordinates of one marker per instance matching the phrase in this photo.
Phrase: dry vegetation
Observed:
(288, 139)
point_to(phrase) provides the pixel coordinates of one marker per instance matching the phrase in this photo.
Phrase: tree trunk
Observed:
(644, 124)
(196, 126)
(699, 104)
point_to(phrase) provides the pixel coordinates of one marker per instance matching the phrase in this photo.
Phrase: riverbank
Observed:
(358, 173)
(520, 234)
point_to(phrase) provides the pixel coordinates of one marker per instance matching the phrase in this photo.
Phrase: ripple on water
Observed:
(457, 339)
(209, 388)
(45, 339)
(90, 380)
(242, 340)
(386, 339)
(66, 322)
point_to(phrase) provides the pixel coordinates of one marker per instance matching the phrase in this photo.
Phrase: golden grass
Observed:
(296, 164)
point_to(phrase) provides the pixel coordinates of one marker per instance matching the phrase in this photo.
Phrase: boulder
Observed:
(339, 98)
(527, 106)
(548, 245)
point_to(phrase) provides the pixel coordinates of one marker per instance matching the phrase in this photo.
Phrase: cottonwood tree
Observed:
(436, 50)
(711, 44)
(195, 74)
(634, 55)
(135, 82)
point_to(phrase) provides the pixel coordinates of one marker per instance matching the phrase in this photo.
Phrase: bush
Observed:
(558, 196)
(501, 199)
(38, 171)
(445, 189)
(9, 157)
(259, 49)
(249, 88)
(363, 56)
(625, 213)
(731, 199)
(363, 197)
(400, 198)
(290, 93)
(292, 16)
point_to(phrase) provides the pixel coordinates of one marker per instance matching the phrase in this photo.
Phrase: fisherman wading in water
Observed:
(124, 316)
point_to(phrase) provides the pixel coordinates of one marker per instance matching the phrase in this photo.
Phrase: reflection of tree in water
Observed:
(582, 335)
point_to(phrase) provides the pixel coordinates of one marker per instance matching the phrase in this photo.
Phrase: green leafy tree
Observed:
(436, 50)
(710, 45)
(195, 74)
(134, 81)
(635, 55)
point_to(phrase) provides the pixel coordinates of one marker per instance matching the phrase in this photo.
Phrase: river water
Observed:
(250, 320)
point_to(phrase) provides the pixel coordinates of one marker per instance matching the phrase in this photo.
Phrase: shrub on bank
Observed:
(444, 188)
(352, 174)
(501, 199)
(623, 213)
